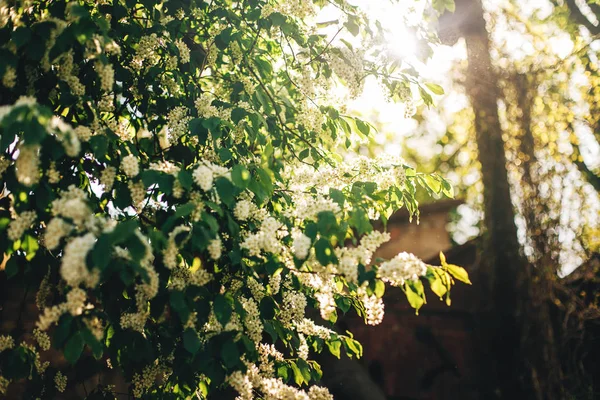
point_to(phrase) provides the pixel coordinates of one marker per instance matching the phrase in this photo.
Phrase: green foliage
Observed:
(176, 193)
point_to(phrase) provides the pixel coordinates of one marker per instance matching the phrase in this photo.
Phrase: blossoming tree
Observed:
(174, 192)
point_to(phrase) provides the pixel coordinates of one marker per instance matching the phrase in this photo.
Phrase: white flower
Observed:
(301, 246)
(403, 267)
(6, 342)
(18, 226)
(27, 165)
(107, 177)
(56, 229)
(184, 51)
(130, 165)
(74, 268)
(60, 381)
(243, 210)
(214, 249)
(203, 176)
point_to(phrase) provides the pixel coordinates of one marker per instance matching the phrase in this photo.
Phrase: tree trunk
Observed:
(504, 262)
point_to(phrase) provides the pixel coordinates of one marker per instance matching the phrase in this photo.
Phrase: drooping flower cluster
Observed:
(404, 267)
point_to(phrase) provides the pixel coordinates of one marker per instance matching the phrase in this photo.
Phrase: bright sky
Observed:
(373, 105)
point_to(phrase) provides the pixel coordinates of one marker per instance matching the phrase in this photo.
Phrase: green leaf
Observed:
(29, 246)
(334, 347)
(223, 307)
(298, 377)
(225, 190)
(99, 144)
(230, 354)
(352, 27)
(353, 347)
(240, 176)
(21, 36)
(337, 196)
(304, 369)
(185, 179)
(198, 129)
(282, 372)
(439, 281)
(326, 222)
(435, 88)
(447, 189)
(415, 299)
(379, 288)
(191, 341)
(324, 252)
(459, 273)
(73, 348)
(102, 251)
(12, 267)
(123, 231)
(363, 127)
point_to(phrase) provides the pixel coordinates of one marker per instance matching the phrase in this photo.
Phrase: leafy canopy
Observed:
(175, 191)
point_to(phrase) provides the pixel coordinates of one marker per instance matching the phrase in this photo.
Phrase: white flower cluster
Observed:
(73, 267)
(205, 174)
(241, 384)
(207, 110)
(66, 136)
(107, 177)
(27, 165)
(294, 8)
(184, 51)
(214, 248)
(404, 267)
(42, 339)
(311, 118)
(303, 347)
(266, 239)
(10, 77)
(309, 328)
(255, 380)
(267, 353)
(257, 289)
(106, 74)
(171, 251)
(137, 190)
(385, 170)
(348, 66)
(146, 53)
(148, 377)
(60, 381)
(301, 246)
(274, 283)
(130, 165)
(20, 224)
(83, 132)
(308, 207)
(245, 209)
(350, 257)
(72, 204)
(6, 342)
(53, 174)
(252, 321)
(177, 120)
(292, 308)
(374, 307)
(165, 166)
(74, 305)
(67, 71)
